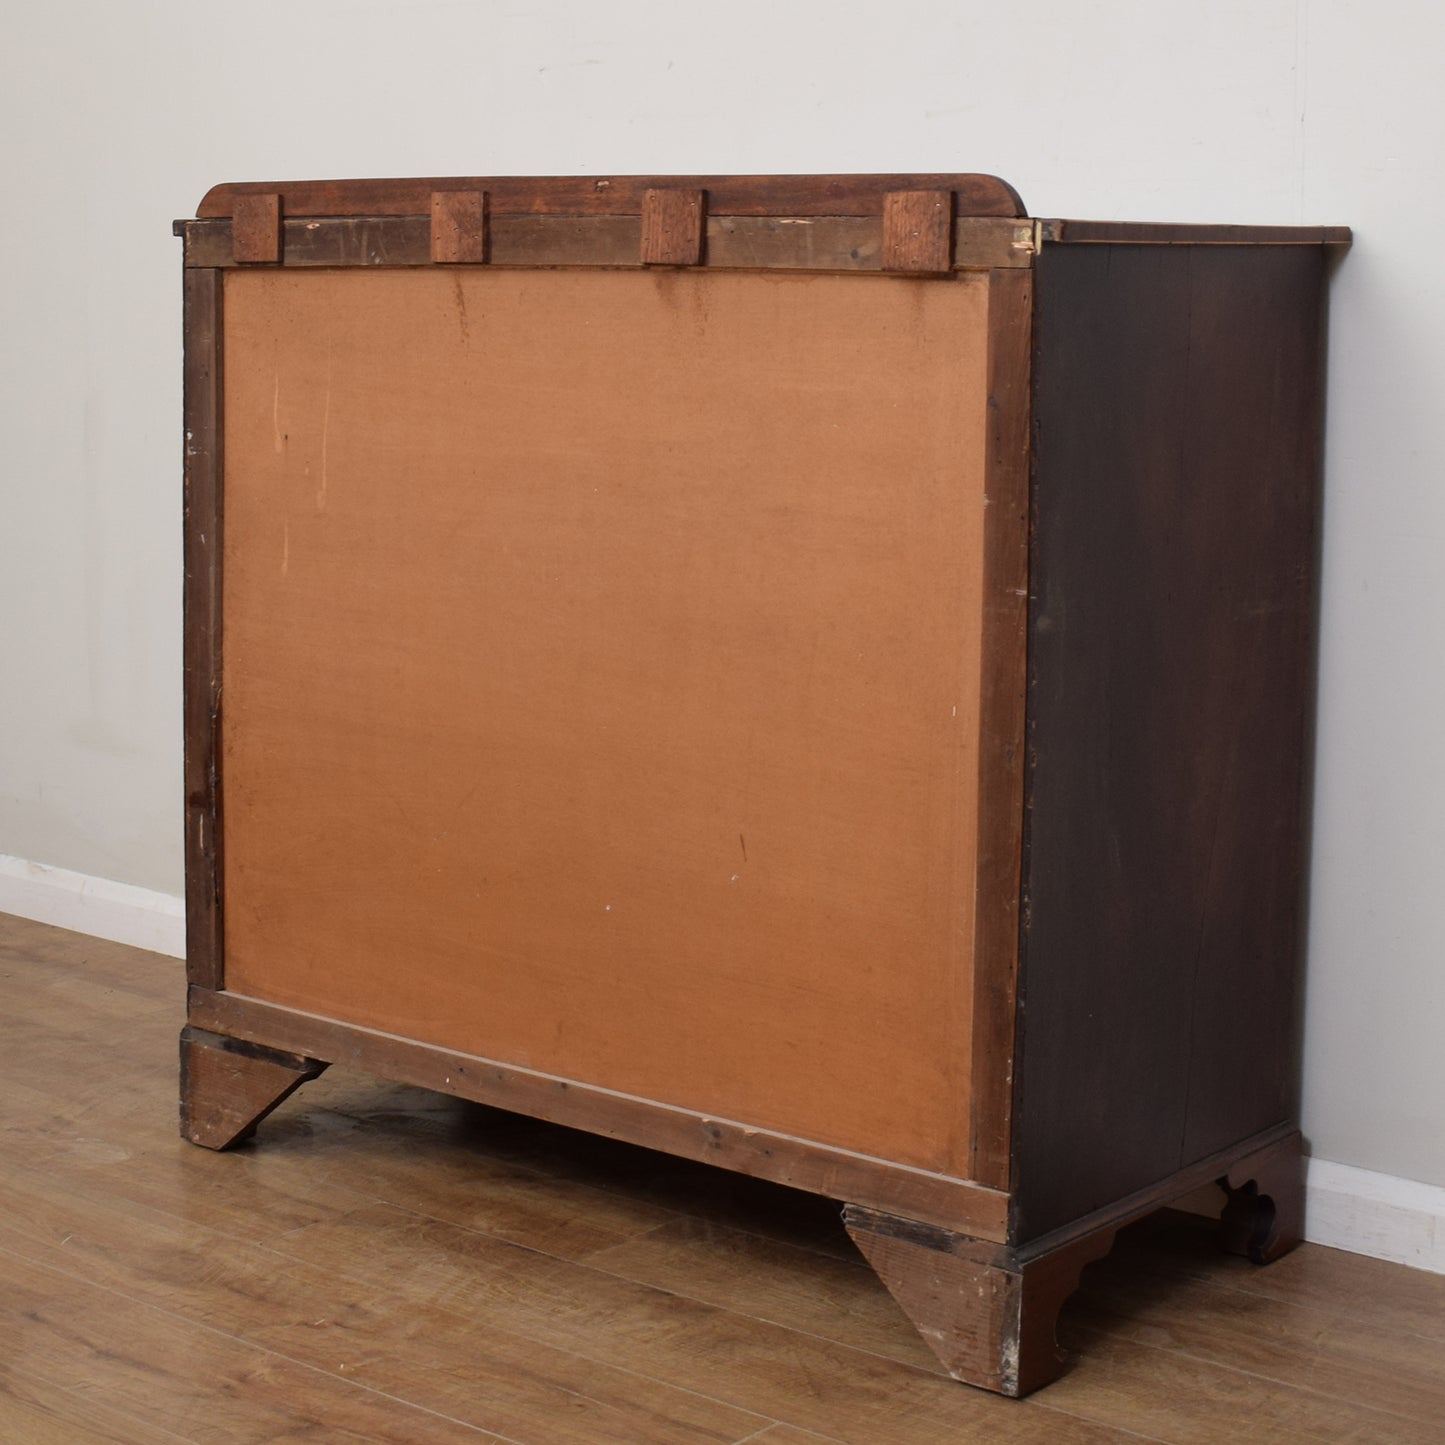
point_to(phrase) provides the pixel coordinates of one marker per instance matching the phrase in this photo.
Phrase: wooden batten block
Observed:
(256, 229)
(672, 227)
(459, 227)
(918, 232)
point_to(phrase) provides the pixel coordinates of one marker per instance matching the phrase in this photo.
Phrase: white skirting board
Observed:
(1375, 1214)
(1345, 1208)
(117, 911)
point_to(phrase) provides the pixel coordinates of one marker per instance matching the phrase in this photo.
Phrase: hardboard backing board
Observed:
(602, 674)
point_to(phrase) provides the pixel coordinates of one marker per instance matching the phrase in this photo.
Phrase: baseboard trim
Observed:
(120, 912)
(1375, 1214)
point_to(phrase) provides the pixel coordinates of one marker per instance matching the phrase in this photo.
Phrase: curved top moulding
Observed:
(851, 195)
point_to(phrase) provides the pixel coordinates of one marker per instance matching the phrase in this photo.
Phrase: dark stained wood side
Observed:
(1214, 1169)
(1001, 732)
(832, 195)
(1176, 410)
(1148, 233)
(202, 610)
(1264, 1217)
(817, 1168)
(989, 1312)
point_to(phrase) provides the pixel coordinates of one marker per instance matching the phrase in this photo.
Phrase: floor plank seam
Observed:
(801, 1330)
(1271, 1380)
(196, 1324)
(284, 1258)
(522, 1333)
(890, 1360)
(1339, 1311)
(1041, 1402)
(110, 1408)
(1350, 1322)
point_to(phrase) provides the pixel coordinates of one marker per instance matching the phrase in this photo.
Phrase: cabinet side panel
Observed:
(1170, 667)
(601, 678)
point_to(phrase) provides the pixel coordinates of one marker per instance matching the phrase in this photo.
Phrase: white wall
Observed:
(116, 116)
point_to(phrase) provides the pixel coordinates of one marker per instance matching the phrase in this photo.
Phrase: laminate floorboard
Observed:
(387, 1265)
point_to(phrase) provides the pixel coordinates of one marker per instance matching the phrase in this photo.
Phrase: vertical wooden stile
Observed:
(202, 605)
(1001, 742)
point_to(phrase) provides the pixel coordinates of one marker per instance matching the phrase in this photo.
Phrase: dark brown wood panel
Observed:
(201, 603)
(1176, 411)
(1147, 233)
(837, 195)
(1001, 722)
(803, 243)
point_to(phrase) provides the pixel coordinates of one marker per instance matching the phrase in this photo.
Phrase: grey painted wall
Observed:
(115, 117)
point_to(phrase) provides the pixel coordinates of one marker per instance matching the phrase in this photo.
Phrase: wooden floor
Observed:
(389, 1265)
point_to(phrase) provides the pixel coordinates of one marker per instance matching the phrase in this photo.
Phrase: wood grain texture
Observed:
(817, 195)
(803, 243)
(256, 229)
(339, 1283)
(228, 1085)
(673, 226)
(638, 751)
(38, 1413)
(918, 232)
(1145, 233)
(201, 605)
(989, 1315)
(1176, 409)
(458, 227)
(990, 243)
(1001, 723)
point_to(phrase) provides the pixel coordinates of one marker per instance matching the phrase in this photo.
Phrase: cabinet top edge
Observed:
(1145, 233)
(784, 195)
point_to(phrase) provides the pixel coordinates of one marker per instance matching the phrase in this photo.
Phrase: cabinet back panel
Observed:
(601, 678)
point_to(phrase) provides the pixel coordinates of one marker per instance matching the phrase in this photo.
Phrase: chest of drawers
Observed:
(812, 674)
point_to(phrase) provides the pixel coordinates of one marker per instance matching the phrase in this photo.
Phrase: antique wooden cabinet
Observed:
(808, 673)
